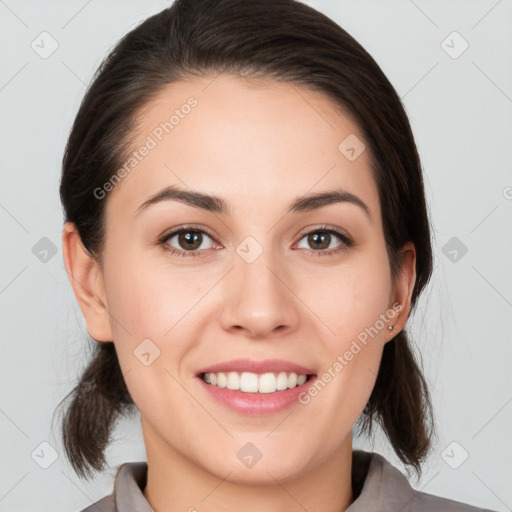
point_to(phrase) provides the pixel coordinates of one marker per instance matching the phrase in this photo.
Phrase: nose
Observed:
(259, 299)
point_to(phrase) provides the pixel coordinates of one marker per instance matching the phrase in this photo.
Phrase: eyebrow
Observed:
(216, 204)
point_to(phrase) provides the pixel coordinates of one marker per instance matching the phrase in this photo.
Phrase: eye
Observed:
(188, 241)
(320, 240)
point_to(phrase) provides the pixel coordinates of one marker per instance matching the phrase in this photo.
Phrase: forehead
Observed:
(253, 142)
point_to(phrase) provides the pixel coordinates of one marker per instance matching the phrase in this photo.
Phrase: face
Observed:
(256, 280)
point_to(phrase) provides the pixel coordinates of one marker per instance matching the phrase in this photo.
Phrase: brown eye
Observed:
(322, 241)
(187, 240)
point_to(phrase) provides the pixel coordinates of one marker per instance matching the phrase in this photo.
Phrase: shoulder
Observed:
(106, 504)
(386, 489)
(127, 495)
(428, 502)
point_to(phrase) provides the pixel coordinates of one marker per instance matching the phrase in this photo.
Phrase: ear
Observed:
(86, 278)
(403, 287)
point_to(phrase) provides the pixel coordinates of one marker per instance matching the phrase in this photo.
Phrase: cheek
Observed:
(350, 298)
(353, 303)
(150, 340)
(146, 297)
(151, 310)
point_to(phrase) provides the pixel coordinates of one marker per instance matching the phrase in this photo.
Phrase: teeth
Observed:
(255, 383)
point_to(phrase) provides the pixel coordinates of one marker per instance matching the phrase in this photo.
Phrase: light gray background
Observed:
(461, 113)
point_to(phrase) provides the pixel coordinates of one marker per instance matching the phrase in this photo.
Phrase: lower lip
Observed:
(256, 404)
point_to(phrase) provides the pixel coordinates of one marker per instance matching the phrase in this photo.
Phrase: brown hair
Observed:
(283, 40)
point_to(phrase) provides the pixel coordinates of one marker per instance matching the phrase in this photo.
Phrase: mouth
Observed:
(256, 387)
(259, 383)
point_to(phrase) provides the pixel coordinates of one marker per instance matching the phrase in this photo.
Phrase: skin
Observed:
(258, 145)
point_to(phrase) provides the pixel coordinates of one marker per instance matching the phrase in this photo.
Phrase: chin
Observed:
(250, 466)
(261, 474)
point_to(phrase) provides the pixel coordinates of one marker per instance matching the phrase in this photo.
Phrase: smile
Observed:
(253, 401)
(248, 382)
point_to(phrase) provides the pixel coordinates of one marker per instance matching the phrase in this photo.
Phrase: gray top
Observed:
(377, 486)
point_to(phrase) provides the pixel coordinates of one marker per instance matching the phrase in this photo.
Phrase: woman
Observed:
(246, 235)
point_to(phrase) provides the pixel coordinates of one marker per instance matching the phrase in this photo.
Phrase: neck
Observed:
(177, 483)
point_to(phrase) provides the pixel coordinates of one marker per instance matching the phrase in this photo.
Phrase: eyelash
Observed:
(163, 241)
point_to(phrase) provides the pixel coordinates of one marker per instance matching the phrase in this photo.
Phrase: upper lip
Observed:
(253, 366)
